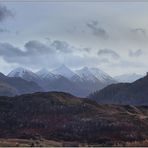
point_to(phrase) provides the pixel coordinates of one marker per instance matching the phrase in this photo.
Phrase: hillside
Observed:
(135, 93)
(7, 90)
(68, 119)
(10, 86)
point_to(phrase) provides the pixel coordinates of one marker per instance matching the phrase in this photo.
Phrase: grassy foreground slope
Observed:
(68, 120)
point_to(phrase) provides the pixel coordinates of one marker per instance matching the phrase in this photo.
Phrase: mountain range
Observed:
(80, 82)
(135, 93)
(10, 86)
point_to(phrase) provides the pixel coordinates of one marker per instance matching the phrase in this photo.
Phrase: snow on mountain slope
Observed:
(42, 73)
(64, 71)
(128, 77)
(86, 75)
(24, 74)
(45, 74)
(101, 75)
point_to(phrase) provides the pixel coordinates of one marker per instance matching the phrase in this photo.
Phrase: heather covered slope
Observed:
(135, 93)
(63, 117)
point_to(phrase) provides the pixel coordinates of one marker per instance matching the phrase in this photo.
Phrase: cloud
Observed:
(139, 34)
(139, 31)
(108, 52)
(97, 30)
(86, 49)
(104, 61)
(36, 54)
(127, 64)
(5, 13)
(136, 53)
(61, 46)
(33, 48)
(2, 30)
(8, 51)
(36, 47)
(72, 30)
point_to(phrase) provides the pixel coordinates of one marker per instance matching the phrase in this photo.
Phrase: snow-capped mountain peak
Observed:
(64, 71)
(23, 73)
(101, 75)
(18, 72)
(86, 75)
(43, 71)
(45, 74)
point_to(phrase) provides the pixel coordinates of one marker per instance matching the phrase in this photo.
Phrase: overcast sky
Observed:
(111, 36)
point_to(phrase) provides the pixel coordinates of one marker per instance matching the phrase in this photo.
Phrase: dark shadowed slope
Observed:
(13, 86)
(124, 93)
(63, 117)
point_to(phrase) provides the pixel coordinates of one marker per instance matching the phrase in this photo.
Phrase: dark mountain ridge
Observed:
(135, 93)
(10, 86)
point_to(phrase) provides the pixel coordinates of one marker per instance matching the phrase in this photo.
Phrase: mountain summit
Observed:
(102, 76)
(45, 74)
(64, 71)
(86, 74)
(24, 74)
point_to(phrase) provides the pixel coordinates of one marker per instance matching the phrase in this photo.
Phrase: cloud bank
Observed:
(5, 13)
(97, 30)
(108, 52)
(136, 53)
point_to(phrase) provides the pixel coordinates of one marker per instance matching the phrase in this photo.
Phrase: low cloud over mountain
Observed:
(108, 52)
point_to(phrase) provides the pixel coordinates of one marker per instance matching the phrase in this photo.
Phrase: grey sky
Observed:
(111, 36)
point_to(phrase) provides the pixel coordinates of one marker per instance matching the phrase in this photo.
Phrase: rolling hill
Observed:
(135, 93)
(70, 120)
